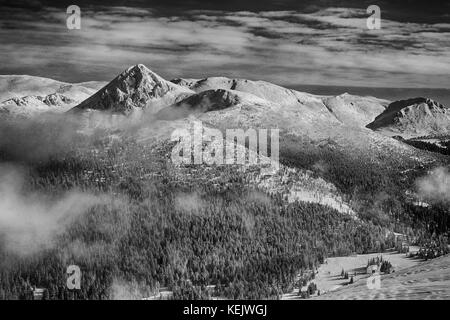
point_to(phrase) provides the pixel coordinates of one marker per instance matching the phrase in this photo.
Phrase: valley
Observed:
(419, 281)
(139, 222)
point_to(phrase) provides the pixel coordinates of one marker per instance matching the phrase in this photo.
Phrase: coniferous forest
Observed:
(199, 235)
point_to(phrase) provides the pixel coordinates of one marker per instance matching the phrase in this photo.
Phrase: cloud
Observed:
(130, 290)
(30, 221)
(287, 47)
(190, 203)
(435, 186)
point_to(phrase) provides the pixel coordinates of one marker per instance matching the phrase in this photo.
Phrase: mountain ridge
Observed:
(224, 102)
(412, 118)
(132, 89)
(18, 86)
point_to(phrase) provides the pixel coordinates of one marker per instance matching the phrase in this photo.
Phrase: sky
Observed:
(286, 42)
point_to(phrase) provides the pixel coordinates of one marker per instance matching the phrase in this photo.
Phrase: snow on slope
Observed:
(311, 122)
(30, 105)
(262, 89)
(349, 109)
(236, 103)
(26, 96)
(355, 110)
(240, 103)
(209, 100)
(428, 280)
(135, 88)
(413, 118)
(342, 119)
(18, 86)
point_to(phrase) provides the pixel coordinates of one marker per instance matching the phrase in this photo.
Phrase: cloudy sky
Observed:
(286, 42)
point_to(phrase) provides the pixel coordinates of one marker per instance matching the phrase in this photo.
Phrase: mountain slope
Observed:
(413, 118)
(428, 280)
(209, 100)
(312, 124)
(315, 121)
(29, 105)
(348, 109)
(327, 157)
(26, 96)
(314, 130)
(17, 86)
(135, 88)
(354, 110)
(262, 89)
(312, 121)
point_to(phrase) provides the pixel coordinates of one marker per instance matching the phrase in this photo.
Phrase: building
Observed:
(372, 269)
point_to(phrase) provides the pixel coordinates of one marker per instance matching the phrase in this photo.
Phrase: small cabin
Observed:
(372, 269)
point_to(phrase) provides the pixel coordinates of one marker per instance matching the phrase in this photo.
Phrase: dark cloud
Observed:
(431, 11)
(403, 44)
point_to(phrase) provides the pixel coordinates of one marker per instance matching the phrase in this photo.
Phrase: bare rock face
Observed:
(412, 118)
(137, 87)
(56, 99)
(211, 100)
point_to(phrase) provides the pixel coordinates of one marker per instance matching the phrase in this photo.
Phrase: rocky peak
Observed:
(134, 88)
(413, 117)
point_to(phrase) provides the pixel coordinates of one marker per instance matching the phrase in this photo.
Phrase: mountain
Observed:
(314, 121)
(135, 88)
(262, 89)
(26, 96)
(18, 86)
(346, 108)
(311, 119)
(341, 188)
(209, 100)
(413, 118)
(29, 105)
(319, 136)
(317, 132)
(355, 110)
